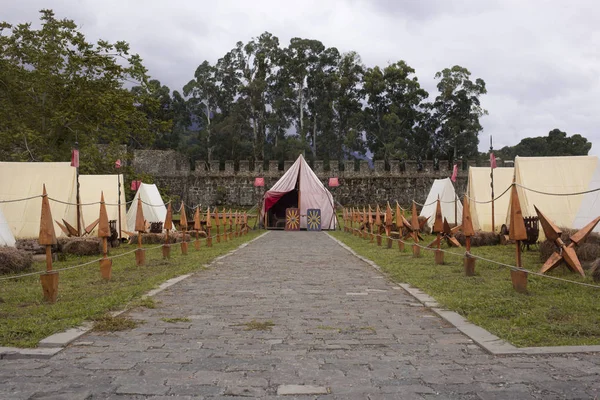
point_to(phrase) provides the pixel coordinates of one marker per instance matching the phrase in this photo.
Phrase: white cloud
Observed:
(540, 59)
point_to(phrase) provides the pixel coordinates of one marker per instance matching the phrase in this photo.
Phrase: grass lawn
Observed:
(82, 294)
(553, 313)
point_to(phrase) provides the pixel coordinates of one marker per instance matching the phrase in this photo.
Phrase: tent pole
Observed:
(492, 184)
(119, 202)
(78, 196)
(455, 210)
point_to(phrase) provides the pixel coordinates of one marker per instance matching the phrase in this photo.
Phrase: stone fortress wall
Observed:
(230, 183)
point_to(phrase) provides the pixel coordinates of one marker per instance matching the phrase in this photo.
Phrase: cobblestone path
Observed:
(339, 328)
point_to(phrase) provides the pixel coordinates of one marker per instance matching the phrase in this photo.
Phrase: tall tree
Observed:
(395, 107)
(456, 112)
(204, 93)
(57, 88)
(300, 59)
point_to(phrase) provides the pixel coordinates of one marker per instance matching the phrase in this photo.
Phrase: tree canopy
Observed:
(557, 143)
(261, 100)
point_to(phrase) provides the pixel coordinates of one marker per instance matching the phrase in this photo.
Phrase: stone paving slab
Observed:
(277, 313)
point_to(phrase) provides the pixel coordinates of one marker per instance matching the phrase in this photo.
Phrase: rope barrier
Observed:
(97, 260)
(512, 267)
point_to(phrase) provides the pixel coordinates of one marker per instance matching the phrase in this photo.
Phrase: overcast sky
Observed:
(539, 59)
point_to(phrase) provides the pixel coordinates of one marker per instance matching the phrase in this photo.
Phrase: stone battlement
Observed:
(172, 163)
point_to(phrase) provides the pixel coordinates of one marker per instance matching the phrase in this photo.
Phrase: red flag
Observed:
(118, 164)
(75, 158)
(135, 185)
(259, 181)
(334, 182)
(492, 160)
(454, 173)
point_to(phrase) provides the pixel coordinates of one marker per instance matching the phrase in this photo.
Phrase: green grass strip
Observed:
(553, 313)
(83, 295)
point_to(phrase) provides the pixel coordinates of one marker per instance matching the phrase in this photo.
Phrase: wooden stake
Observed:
(140, 227)
(217, 224)
(208, 228)
(467, 228)
(517, 233)
(166, 248)
(104, 233)
(47, 237)
(197, 228)
(224, 215)
(183, 224)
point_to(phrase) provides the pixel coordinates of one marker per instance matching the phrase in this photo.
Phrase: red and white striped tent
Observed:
(298, 188)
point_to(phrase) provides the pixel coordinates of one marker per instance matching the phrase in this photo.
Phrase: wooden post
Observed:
(378, 225)
(438, 227)
(517, 233)
(414, 219)
(245, 222)
(236, 219)
(104, 233)
(166, 248)
(217, 224)
(388, 225)
(224, 215)
(208, 228)
(47, 237)
(183, 224)
(399, 225)
(140, 227)
(197, 227)
(230, 225)
(468, 231)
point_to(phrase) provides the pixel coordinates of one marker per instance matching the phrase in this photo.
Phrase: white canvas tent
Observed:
(152, 205)
(590, 204)
(6, 236)
(90, 187)
(444, 190)
(480, 189)
(25, 179)
(299, 187)
(554, 175)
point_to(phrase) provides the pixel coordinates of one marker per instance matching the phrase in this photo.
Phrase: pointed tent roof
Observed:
(313, 194)
(444, 190)
(152, 205)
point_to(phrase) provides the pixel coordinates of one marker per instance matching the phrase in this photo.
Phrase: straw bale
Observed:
(14, 260)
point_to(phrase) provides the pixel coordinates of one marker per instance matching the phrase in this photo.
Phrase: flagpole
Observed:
(78, 195)
(492, 183)
(119, 202)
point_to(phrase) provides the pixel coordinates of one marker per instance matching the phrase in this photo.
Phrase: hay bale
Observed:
(425, 227)
(86, 246)
(588, 251)
(14, 260)
(31, 246)
(595, 270)
(479, 239)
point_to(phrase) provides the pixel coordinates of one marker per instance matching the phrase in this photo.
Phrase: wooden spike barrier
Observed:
(140, 227)
(467, 228)
(183, 224)
(230, 226)
(224, 215)
(518, 233)
(166, 248)
(47, 237)
(208, 228)
(104, 233)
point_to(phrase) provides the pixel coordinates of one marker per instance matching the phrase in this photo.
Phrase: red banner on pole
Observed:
(75, 158)
(334, 182)
(135, 185)
(118, 164)
(454, 173)
(259, 182)
(492, 160)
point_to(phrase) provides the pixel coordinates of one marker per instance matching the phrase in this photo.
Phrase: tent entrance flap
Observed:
(276, 213)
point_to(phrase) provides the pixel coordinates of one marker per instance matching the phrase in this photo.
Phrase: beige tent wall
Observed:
(479, 188)
(90, 187)
(20, 180)
(554, 175)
